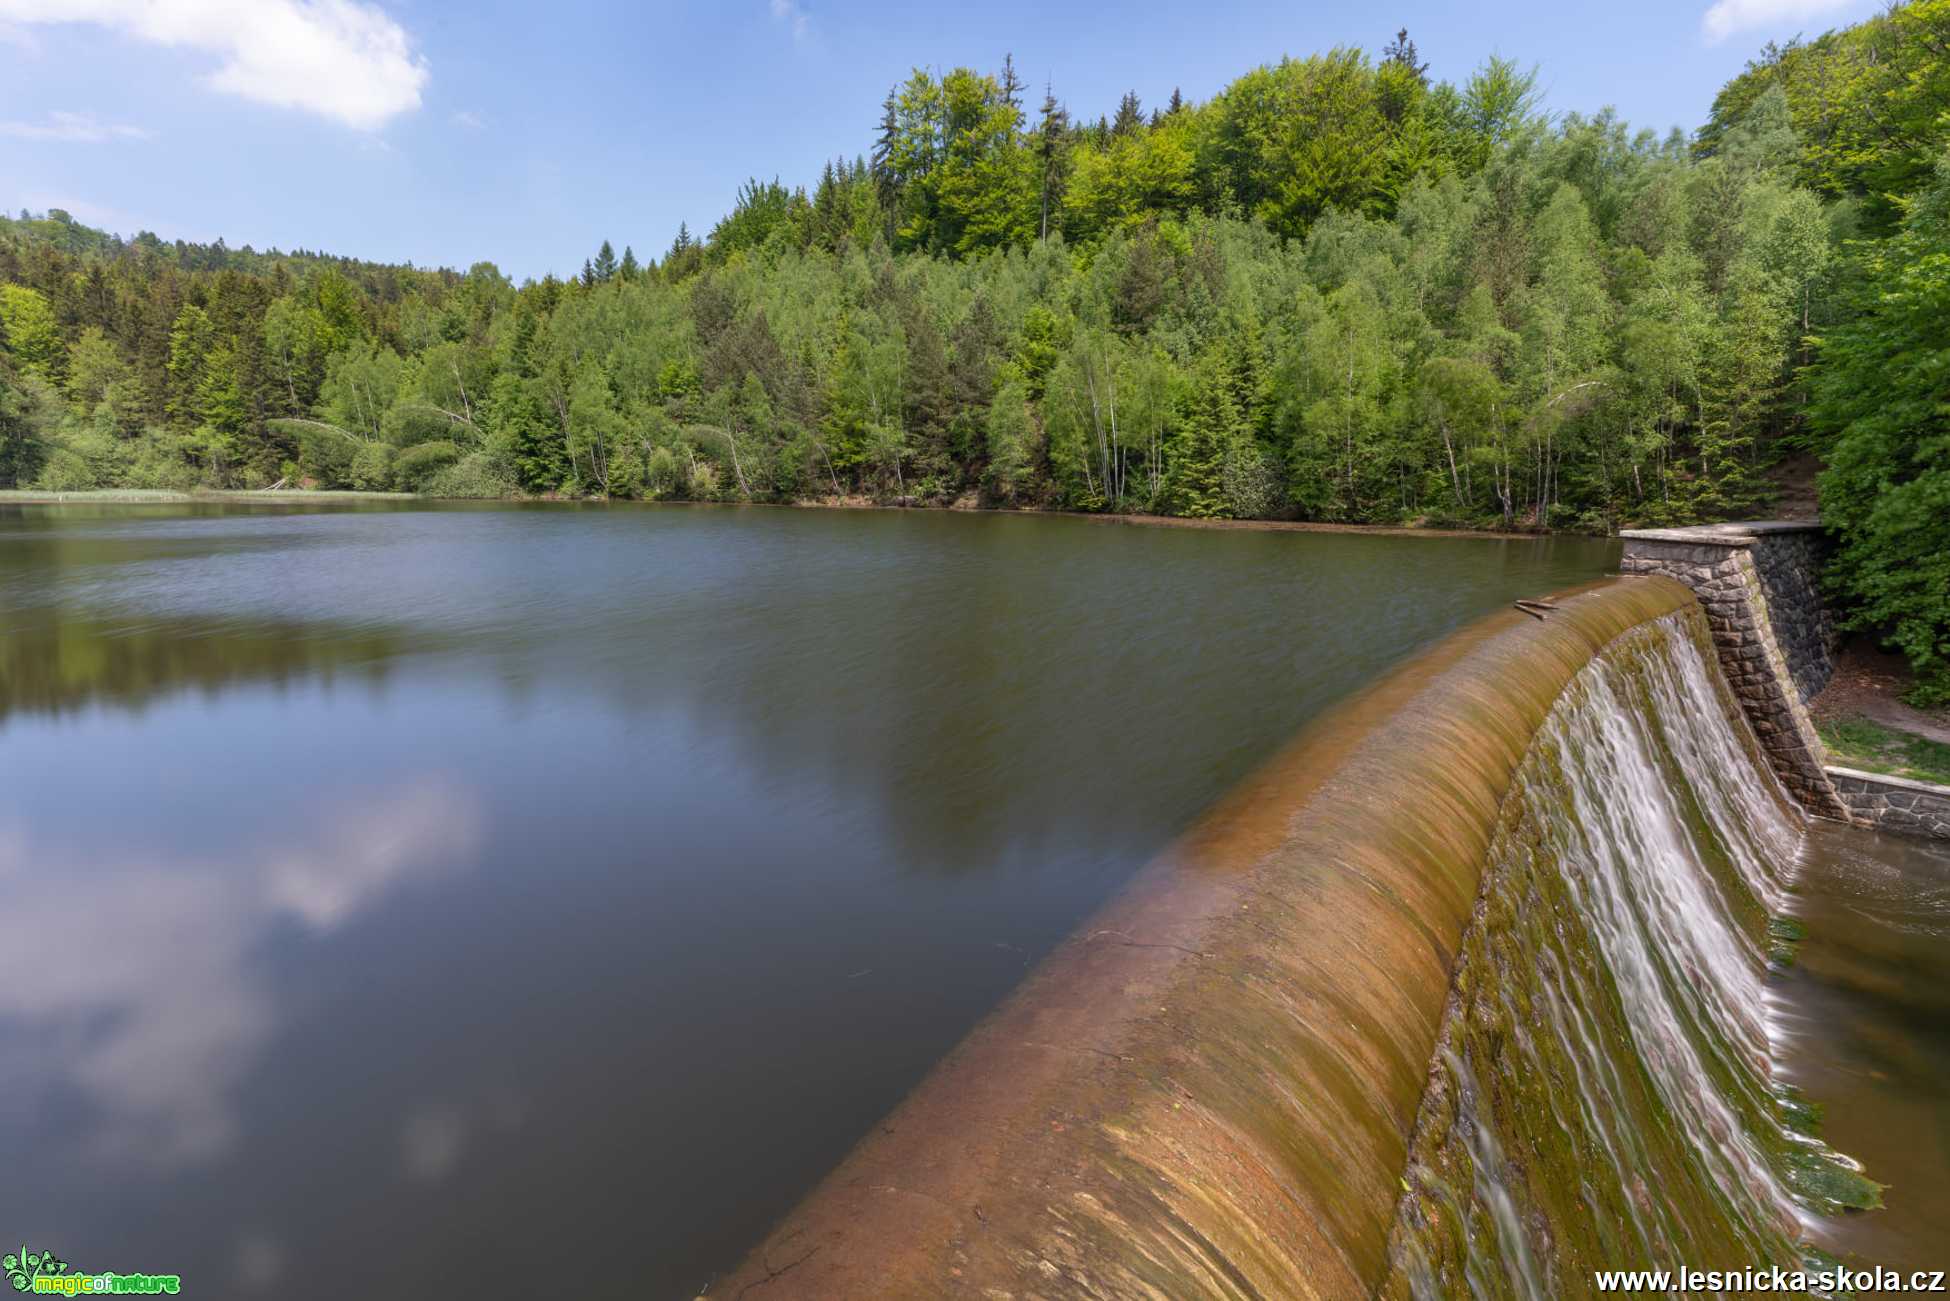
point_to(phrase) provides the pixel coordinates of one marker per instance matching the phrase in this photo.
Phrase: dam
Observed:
(916, 904)
(1470, 992)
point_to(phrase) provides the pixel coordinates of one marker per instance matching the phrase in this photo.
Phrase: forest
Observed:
(1337, 290)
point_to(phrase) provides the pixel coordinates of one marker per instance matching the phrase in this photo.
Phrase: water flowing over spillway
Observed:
(1466, 995)
(1601, 1096)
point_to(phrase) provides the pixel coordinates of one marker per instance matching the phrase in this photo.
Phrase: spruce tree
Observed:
(1011, 83)
(1208, 424)
(1402, 51)
(605, 266)
(1052, 139)
(884, 145)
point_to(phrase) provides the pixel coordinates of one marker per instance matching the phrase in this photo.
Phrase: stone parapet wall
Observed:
(1909, 808)
(1759, 586)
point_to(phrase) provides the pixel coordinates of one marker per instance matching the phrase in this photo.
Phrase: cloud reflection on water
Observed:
(132, 979)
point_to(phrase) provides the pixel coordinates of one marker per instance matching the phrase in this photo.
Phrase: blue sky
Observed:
(525, 134)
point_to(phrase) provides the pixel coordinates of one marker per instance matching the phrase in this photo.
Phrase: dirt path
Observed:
(1867, 684)
(1794, 480)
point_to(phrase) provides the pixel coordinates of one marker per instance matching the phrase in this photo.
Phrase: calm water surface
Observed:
(1868, 1018)
(400, 896)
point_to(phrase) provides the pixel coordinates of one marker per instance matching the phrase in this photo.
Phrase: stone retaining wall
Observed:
(1909, 808)
(1758, 584)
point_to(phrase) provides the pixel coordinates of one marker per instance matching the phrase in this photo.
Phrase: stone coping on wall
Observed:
(1742, 534)
(1901, 805)
(1890, 779)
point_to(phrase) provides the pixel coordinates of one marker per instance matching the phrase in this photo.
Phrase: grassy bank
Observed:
(1870, 747)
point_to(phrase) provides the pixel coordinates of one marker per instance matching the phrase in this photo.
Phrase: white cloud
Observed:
(794, 16)
(342, 59)
(1728, 17)
(469, 119)
(76, 128)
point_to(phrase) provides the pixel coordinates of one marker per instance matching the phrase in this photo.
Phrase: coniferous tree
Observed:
(1402, 53)
(1206, 427)
(1335, 291)
(1052, 150)
(1011, 84)
(885, 145)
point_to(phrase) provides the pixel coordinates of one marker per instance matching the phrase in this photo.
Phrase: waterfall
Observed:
(1464, 994)
(1601, 1095)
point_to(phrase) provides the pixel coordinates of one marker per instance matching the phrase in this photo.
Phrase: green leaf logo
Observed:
(24, 1266)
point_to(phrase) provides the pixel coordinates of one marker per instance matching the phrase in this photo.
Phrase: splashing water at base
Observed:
(1604, 1093)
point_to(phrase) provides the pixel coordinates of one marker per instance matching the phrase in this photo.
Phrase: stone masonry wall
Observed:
(1789, 559)
(1895, 804)
(1720, 565)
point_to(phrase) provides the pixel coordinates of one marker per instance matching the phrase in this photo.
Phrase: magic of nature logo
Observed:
(46, 1274)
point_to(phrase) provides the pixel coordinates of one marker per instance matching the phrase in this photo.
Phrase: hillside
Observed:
(1335, 291)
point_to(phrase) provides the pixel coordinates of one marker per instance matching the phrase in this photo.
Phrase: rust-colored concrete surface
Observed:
(1209, 1089)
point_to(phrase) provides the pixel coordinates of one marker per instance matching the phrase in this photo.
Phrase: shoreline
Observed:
(302, 496)
(1163, 521)
(171, 497)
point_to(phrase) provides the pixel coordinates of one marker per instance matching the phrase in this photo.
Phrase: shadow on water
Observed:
(587, 878)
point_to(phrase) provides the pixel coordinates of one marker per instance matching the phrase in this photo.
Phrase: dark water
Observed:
(1867, 1017)
(546, 897)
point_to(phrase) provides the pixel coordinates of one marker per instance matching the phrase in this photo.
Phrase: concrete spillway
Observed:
(1458, 995)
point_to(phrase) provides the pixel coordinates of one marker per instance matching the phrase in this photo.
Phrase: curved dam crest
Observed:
(1254, 1074)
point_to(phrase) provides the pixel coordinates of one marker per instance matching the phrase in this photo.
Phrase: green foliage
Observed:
(29, 331)
(1335, 291)
(1011, 432)
(474, 475)
(1880, 411)
(1516, 325)
(1866, 105)
(524, 433)
(1207, 430)
(417, 466)
(371, 469)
